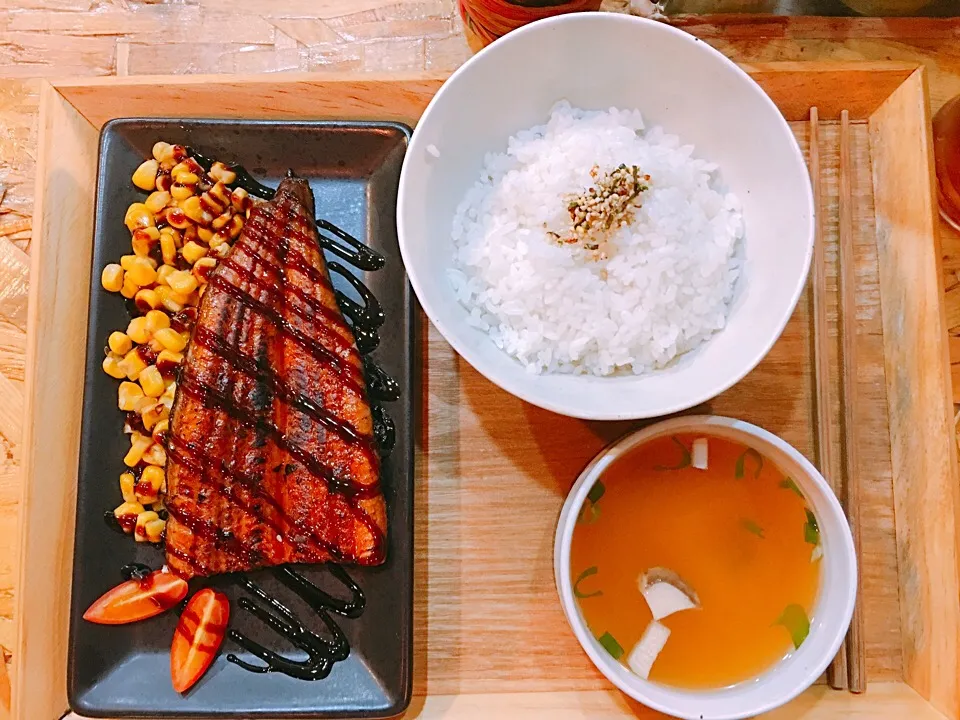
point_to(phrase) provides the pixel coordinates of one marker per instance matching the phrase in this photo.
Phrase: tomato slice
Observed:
(198, 636)
(137, 599)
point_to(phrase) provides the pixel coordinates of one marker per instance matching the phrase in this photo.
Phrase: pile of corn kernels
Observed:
(183, 227)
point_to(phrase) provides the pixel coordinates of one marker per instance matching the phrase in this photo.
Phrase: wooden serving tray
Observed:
(491, 638)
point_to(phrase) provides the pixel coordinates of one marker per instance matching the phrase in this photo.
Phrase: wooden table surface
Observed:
(56, 38)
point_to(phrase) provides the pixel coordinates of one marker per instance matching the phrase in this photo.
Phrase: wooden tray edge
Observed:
(73, 104)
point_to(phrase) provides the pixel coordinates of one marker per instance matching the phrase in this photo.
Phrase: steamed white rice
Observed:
(666, 284)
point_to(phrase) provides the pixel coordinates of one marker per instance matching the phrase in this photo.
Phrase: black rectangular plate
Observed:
(124, 671)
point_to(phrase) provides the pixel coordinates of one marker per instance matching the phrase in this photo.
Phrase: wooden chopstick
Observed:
(837, 672)
(856, 670)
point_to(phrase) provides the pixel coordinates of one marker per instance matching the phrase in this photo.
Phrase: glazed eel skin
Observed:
(271, 454)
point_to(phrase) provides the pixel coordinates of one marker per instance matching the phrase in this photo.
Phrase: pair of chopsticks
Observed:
(848, 669)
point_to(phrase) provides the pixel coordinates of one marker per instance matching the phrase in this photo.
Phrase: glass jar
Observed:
(946, 149)
(486, 20)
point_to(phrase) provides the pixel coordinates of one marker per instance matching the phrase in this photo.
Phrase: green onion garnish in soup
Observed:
(789, 484)
(757, 461)
(685, 459)
(751, 527)
(794, 619)
(590, 512)
(580, 578)
(611, 645)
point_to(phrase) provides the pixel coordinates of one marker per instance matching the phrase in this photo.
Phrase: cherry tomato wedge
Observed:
(198, 636)
(135, 599)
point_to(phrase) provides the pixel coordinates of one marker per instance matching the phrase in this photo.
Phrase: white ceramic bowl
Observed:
(599, 60)
(831, 614)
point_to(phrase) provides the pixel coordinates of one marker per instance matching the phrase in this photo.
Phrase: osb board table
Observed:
(56, 38)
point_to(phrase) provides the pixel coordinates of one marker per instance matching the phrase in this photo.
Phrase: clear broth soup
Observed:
(739, 534)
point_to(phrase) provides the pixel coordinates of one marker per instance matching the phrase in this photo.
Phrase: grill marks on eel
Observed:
(271, 454)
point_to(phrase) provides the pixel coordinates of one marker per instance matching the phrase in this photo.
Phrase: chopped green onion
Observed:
(596, 492)
(751, 527)
(611, 645)
(684, 458)
(789, 484)
(589, 514)
(794, 619)
(811, 531)
(740, 470)
(583, 576)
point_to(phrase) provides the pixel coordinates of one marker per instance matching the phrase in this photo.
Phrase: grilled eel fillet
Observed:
(271, 457)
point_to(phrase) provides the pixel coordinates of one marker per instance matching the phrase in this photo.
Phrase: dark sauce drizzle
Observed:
(364, 319)
(322, 653)
(135, 571)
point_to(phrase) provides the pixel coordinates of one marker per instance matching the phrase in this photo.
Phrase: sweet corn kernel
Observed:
(221, 195)
(148, 488)
(152, 414)
(240, 199)
(182, 282)
(133, 364)
(145, 176)
(171, 340)
(201, 292)
(194, 210)
(202, 269)
(162, 151)
(154, 344)
(112, 278)
(181, 192)
(177, 219)
(138, 446)
(160, 429)
(154, 530)
(137, 330)
(170, 300)
(112, 367)
(155, 455)
(143, 404)
(221, 172)
(204, 234)
(142, 272)
(126, 261)
(140, 530)
(128, 394)
(120, 343)
(127, 515)
(143, 240)
(234, 227)
(138, 215)
(168, 251)
(223, 249)
(157, 201)
(129, 289)
(190, 234)
(127, 481)
(186, 177)
(193, 251)
(164, 180)
(219, 238)
(221, 221)
(157, 320)
(146, 300)
(151, 381)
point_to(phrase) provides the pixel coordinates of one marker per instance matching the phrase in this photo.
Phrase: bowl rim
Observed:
(841, 538)
(524, 390)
